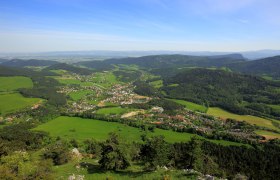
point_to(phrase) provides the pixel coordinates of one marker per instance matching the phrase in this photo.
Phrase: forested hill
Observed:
(31, 62)
(13, 71)
(70, 68)
(232, 91)
(163, 61)
(96, 65)
(267, 66)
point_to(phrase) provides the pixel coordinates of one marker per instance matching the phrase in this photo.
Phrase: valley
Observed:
(81, 107)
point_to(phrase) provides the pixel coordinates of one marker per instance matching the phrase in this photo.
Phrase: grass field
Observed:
(105, 80)
(157, 84)
(133, 172)
(275, 107)
(218, 112)
(68, 81)
(112, 110)
(79, 94)
(81, 129)
(268, 134)
(14, 83)
(13, 102)
(190, 105)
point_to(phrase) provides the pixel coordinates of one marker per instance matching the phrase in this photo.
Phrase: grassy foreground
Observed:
(218, 112)
(133, 172)
(82, 129)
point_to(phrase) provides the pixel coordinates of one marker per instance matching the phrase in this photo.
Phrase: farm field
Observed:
(275, 107)
(68, 81)
(218, 112)
(267, 134)
(79, 94)
(105, 80)
(82, 129)
(157, 84)
(14, 83)
(112, 110)
(13, 102)
(191, 105)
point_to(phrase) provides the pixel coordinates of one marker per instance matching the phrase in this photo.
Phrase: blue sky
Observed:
(183, 25)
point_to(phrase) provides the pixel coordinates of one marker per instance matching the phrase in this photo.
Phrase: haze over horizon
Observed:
(143, 25)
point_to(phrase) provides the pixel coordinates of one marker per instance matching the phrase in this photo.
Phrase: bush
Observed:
(58, 152)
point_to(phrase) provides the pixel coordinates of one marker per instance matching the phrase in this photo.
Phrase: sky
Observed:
(144, 25)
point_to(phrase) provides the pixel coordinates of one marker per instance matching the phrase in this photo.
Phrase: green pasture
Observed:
(67, 81)
(14, 83)
(79, 94)
(268, 134)
(190, 105)
(157, 84)
(133, 172)
(82, 129)
(173, 85)
(104, 79)
(112, 110)
(275, 107)
(13, 102)
(218, 112)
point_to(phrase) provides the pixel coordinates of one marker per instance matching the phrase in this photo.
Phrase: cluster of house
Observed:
(123, 94)
(80, 107)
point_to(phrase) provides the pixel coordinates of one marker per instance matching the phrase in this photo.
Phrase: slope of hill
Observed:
(31, 62)
(96, 65)
(267, 66)
(234, 92)
(14, 71)
(70, 68)
(166, 61)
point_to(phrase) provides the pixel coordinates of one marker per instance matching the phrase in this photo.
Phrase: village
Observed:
(122, 94)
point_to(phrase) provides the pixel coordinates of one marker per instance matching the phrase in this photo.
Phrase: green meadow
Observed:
(218, 112)
(191, 105)
(13, 102)
(14, 83)
(157, 84)
(112, 110)
(133, 172)
(275, 107)
(105, 79)
(268, 134)
(79, 94)
(68, 81)
(82, 129)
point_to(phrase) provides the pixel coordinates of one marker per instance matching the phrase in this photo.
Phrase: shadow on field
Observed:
(94, 168)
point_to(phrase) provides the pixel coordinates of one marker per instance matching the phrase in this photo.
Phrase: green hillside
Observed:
(242, 94)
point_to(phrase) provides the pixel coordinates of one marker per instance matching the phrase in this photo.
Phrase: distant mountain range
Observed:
(100, 55)
(267, 66)
(70, 68)
(235, 62)
(165, 61)
(24, 63)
